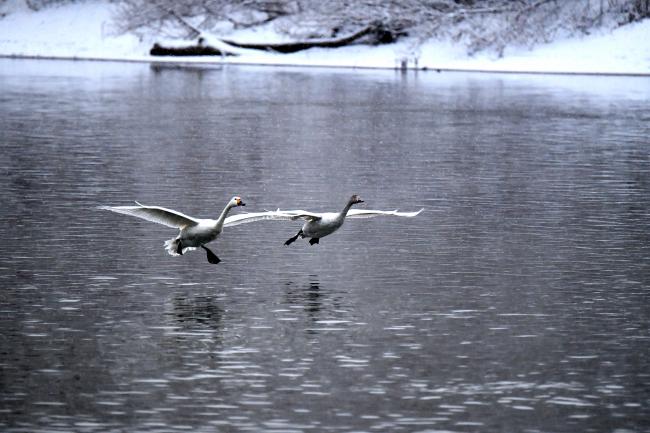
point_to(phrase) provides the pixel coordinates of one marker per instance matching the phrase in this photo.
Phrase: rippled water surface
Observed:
(517, 301)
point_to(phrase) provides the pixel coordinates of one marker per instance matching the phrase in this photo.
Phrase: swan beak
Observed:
(240, 203)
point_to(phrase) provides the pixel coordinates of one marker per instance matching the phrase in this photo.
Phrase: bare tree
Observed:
(162, 15)
(478, 24)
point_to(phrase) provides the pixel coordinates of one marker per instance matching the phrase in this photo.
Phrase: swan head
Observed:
(237, 201)
(355, 199)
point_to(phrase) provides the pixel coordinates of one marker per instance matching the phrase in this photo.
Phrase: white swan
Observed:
(319, 225)
(194, 232)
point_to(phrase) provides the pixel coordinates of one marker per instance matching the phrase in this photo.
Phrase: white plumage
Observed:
(196, 232)
(318, 225)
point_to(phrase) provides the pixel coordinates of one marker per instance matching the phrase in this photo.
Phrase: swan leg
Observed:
(212, 258)
(179, 249)
(293, 239)
(313, 241)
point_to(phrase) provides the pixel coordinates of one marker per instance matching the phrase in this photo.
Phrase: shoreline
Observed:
(90, 37)
(194, 61)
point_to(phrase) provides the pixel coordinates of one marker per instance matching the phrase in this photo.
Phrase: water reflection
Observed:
(197, 312)
(199, 70)
(309, 296)
(326, 309)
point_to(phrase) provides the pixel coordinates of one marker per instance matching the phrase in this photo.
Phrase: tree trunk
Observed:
(375, 30)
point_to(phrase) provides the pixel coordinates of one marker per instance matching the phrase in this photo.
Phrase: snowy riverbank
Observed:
(85, 31)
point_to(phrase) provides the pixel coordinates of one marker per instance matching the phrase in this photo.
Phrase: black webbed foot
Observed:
(313, 241)
(179, 249)
(293, 239)
(212, 257)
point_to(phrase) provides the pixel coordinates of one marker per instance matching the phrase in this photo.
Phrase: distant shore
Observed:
(88, 36)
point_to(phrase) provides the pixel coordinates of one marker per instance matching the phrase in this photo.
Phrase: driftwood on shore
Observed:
(191, 50)
(292, 47)
(373, 34)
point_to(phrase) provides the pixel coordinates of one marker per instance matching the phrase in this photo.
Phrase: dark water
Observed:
(518, 301)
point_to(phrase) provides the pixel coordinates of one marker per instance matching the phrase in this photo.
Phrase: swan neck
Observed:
(224, 214)
(346, 209)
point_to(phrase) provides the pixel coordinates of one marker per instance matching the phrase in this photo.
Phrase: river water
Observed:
(517, 301)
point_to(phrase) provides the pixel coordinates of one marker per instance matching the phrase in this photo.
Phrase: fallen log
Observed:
(292, 47)
(377, 32)
(200, 49)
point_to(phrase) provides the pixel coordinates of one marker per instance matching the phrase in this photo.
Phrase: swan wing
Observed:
(367, 213)
(302, 214)
(156, 214)
(250, 217)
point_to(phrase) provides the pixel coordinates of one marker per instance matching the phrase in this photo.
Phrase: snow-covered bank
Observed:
(85, 31)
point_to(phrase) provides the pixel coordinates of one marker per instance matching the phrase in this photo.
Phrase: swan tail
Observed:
(171, 246)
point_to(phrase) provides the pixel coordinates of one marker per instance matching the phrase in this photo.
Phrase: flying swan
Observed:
(194, 232)
(318, 225)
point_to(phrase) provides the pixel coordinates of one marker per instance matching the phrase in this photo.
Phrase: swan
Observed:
(318, 225)
(194, 232)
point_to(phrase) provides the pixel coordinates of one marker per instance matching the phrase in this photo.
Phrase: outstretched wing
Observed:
(302, 214)
(155, 214)
(366, 213)
(250, 217)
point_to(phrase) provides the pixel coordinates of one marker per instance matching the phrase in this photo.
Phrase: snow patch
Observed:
(85, 31)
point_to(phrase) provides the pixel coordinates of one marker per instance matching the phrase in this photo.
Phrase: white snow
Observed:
(85, 31)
